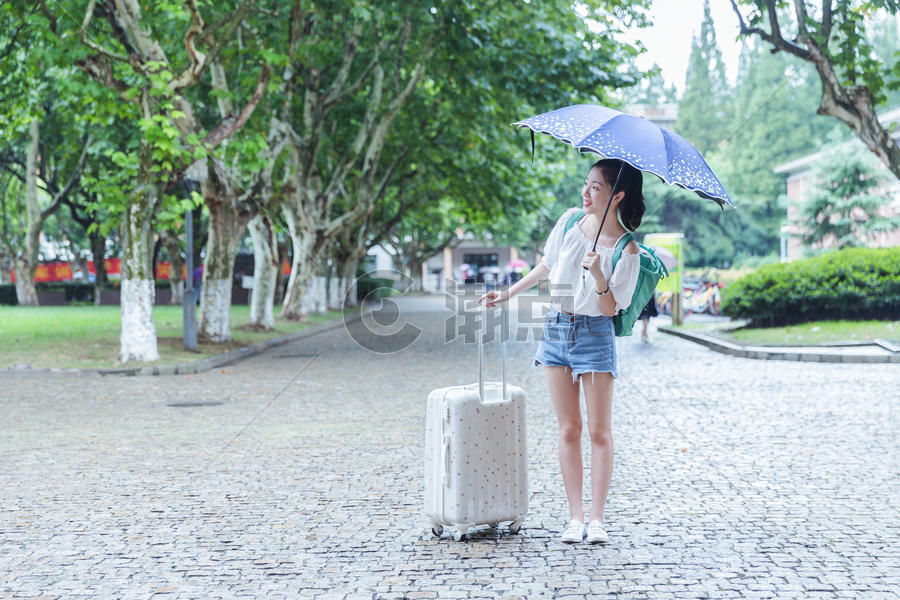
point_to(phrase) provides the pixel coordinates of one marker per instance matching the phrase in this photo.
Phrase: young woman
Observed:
(578, 345)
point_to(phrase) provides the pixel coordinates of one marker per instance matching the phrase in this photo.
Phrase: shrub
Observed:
(82, 293)
(381, 286)
(8, 294)
(854, 283)
(754, 262)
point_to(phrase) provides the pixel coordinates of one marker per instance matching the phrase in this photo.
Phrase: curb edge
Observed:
(208, 363)
(759, 353)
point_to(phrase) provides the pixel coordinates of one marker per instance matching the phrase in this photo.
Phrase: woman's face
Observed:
(595, 193)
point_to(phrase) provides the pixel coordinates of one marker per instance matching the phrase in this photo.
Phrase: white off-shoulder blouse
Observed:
(572, 287)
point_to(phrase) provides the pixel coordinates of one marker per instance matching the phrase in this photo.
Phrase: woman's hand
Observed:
(592, 262)
(493, 298)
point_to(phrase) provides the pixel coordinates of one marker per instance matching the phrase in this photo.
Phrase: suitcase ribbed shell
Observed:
(476, 468)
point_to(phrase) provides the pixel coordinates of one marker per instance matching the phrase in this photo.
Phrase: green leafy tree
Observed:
(848, 206)
(470, 70)
(703, 111)
(651, 89)
(491, 188)
(773, 100)
(885, 37)
(832, 36)
(43, 139)
(144, 62)
(349, 70)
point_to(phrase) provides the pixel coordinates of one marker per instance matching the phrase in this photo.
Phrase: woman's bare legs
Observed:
(598, 394)
(566, 399)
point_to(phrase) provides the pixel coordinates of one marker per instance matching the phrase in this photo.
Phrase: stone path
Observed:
(302, 477)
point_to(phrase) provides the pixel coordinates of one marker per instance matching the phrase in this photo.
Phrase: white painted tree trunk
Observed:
(177, 286)
(138, 338)
(226, 226)
(215, 306)
(26, 294)
(265, 272)
(302, 270)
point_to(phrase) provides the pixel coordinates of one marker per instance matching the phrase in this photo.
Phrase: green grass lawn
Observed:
(805, 334)
(87, 337)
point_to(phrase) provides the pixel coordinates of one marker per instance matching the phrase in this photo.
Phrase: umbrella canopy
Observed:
(634, 140)
(517, 263)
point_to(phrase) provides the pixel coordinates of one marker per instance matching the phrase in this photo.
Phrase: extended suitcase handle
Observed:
(504, 341)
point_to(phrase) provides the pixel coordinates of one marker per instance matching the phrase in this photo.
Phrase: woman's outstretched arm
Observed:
(535, 276)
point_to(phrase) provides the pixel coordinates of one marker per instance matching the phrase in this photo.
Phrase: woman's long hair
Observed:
(632, 207)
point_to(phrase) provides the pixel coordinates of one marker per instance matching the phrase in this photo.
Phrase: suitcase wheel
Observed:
(437, 530)
(515, 526)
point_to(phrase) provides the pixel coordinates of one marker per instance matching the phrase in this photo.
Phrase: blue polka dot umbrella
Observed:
(634, 140)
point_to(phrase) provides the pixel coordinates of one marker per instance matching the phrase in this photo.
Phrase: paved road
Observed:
(734, 478)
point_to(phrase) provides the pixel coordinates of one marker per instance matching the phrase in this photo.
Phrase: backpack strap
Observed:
(620, 247)
(572, 220)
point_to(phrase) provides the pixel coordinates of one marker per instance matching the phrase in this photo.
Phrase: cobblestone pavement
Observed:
(734, 478)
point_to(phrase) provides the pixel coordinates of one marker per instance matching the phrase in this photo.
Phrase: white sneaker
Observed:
(596, 534)
(574, 533)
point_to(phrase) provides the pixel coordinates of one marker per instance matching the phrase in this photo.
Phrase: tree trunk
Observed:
(80, 262)
(26, 294)
(226, 225)
(283, 256)
(27, 263)
(98, 251)
(138, 337)
(415, 273)
(265, 272)
(306, 258)
(176, 279)
(856, 108)
(347, 284)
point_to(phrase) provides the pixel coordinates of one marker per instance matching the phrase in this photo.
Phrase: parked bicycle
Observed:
(701, 295)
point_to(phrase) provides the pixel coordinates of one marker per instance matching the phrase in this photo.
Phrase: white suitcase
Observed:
(476, 467)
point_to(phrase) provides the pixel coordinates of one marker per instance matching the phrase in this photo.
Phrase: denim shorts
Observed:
(582, 343)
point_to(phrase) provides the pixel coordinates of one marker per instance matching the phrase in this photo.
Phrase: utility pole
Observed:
(193, 179)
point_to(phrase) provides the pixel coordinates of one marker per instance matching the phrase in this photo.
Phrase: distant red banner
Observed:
(163, 269)
(48, 272)
(62, 271)
(52, 272)
(113, 267)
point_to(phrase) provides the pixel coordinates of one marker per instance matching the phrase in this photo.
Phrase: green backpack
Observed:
(652, 270)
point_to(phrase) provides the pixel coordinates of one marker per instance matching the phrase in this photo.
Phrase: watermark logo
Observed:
(470, 319)
(383, 329)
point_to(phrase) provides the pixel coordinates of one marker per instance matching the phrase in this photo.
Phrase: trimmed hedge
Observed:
(381, 286)
(74, 292)
(854, 283)
(8, 294)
